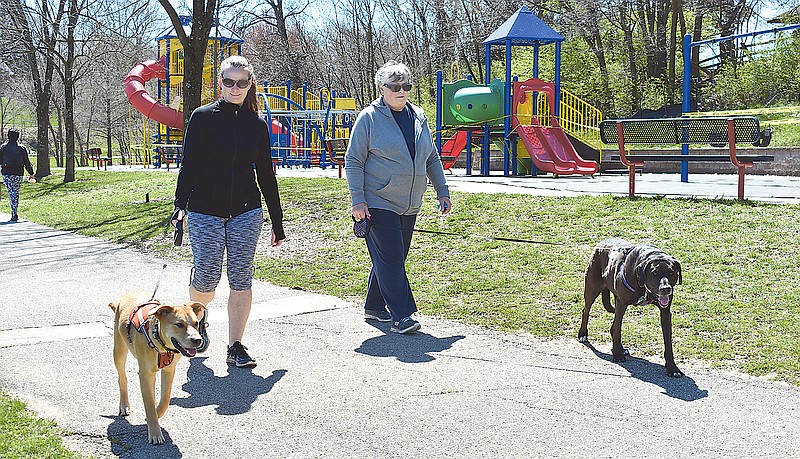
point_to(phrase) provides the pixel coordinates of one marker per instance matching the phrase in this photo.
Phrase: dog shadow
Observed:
(130, 441)
(414, 348)
(232, 394)
(683, 388)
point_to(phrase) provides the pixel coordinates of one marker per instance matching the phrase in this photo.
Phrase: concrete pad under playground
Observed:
(766, 188)
(329, 384)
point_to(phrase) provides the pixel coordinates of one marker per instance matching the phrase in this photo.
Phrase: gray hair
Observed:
(238, 62)
(392, 71)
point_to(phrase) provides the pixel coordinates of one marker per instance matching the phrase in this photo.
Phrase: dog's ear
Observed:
(161, 310)
(677, 265)
(197, 307)
(641, 268)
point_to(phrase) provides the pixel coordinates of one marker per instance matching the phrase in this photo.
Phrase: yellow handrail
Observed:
(578, 118)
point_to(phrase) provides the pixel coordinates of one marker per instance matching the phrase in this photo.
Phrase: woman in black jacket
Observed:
(218, 192)
(14, 158)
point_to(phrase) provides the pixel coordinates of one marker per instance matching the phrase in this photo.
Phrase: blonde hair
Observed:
(240, 62)
(392, 71)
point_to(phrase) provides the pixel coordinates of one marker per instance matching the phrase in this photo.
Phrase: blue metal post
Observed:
(512, 138)
(469, 151)
(507, 111)
(686, 102)
(536, 60)
(485, 160)
(439, 111)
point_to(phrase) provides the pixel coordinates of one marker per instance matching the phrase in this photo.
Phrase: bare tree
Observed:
(39, 49)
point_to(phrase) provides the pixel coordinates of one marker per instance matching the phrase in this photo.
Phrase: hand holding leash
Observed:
(444, 205)
(178, 222)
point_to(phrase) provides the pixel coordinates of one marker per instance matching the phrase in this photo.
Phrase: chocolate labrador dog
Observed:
(636, 275)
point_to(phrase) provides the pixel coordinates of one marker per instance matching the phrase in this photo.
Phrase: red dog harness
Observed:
(141, 318)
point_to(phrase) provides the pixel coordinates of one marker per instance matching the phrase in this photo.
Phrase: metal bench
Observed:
(168, 154)
(715, 131)
(96, 156)
(336, 149)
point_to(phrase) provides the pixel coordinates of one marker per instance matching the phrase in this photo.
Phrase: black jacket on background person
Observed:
(14, 158)
(221, 144)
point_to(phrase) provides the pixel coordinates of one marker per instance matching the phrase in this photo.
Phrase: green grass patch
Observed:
(24, 435)
(737, 308)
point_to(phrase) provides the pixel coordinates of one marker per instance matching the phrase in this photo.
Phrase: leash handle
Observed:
(178, 237)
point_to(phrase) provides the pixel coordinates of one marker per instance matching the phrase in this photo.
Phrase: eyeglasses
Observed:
(396, 87)
(242, 84)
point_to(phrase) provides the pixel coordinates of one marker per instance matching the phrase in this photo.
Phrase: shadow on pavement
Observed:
(683, 388)
(411, 348)
(130, 441)
(233, 393)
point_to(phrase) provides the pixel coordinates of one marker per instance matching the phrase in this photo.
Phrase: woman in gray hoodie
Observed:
(389, 159)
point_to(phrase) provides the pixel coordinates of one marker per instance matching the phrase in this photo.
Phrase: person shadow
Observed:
(130, 441)
(232, 394)
(683, 388)
(414, 348)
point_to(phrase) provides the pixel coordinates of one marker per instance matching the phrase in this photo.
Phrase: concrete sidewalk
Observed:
(329, 384)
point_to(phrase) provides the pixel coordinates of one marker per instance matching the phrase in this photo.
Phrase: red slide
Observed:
(141, 99)
(453, 148)
(548, 146)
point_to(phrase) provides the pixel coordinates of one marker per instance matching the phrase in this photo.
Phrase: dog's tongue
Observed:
(191, 351)
(664, 300)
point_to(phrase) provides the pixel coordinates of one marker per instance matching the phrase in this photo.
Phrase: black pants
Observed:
(388, 242)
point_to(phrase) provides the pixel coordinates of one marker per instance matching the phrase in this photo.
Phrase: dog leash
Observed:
(361, 229)
(160, 276)
(487, 238)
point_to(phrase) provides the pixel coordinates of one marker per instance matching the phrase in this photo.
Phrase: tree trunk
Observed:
(69, 92)
(42, 84)
(194, 50)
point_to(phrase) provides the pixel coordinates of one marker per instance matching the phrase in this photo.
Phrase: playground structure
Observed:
(525, 116)
(300, 121)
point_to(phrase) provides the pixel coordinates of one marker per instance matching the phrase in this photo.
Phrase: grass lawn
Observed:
(738, 306)
(23, 435)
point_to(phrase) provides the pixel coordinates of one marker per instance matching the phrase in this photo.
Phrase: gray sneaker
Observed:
(406, 325)
(237, 355)
(380, 316)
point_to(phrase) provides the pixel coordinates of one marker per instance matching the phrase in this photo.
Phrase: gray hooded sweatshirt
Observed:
(380, 170)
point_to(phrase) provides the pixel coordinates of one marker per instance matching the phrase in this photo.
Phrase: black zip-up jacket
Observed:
(14, 158)
(221, 144)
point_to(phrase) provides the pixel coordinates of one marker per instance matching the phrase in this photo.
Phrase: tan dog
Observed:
(157, 335)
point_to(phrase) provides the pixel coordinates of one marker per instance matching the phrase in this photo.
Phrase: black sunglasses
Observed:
(242, 84)
(396, 87)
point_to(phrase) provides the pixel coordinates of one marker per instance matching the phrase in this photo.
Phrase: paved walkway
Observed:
(329, 384)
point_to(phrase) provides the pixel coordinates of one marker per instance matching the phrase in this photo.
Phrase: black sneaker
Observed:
(380, 316)
(407, 325)
(237, 355)
(201, 327)
(14, 218)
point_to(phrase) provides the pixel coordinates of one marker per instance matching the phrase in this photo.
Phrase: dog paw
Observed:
(124, 410)
(155, 438)
(675, 373)
(583, 339)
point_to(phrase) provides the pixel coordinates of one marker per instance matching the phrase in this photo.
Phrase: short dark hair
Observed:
(13, 135)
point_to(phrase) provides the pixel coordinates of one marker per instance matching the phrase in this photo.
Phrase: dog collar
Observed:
(642, 299)
(141, 318)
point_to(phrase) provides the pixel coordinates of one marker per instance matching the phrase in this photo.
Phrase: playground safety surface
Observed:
(766, 188)
(328, 384)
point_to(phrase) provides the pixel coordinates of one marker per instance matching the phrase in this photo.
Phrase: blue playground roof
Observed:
(220, 33)
(523, 28)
